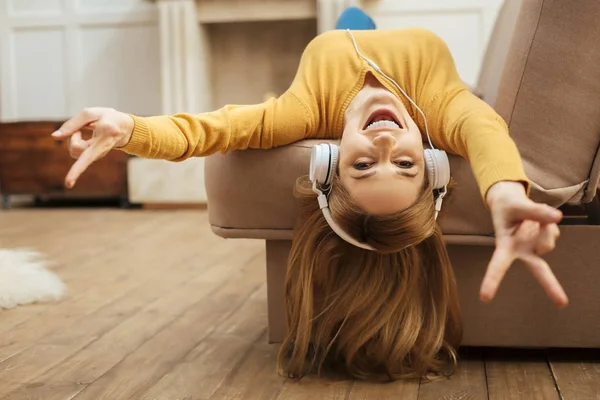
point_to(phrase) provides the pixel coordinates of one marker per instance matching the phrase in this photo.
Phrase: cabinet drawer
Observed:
(32, 162)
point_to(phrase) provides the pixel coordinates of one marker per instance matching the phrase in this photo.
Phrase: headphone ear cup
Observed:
(333, 162)
(323, 161)
(438, 168)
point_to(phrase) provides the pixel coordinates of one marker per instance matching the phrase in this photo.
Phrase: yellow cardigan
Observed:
(328, 77)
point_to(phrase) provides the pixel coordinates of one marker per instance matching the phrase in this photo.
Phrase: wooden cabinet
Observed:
(33, 163)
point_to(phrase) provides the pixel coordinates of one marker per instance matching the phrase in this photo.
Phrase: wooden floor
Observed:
(160, 308)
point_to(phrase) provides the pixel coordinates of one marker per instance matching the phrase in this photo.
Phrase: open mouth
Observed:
(382, 119)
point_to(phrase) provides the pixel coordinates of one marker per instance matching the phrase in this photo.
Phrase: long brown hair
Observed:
(383, 315)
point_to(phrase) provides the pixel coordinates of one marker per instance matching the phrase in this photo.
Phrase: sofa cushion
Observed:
(250, 194)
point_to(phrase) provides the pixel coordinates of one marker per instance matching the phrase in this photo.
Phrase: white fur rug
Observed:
(24, 279)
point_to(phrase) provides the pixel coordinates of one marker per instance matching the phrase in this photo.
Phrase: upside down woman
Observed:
(375, 296)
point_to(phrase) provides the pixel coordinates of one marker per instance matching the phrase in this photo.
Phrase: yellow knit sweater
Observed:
(328, 77)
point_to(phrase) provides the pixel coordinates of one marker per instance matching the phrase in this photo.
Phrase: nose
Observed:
(384, 140)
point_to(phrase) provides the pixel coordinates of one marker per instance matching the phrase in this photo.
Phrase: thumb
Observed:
(541, 213)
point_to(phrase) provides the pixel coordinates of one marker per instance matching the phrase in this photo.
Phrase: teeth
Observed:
(382, 124)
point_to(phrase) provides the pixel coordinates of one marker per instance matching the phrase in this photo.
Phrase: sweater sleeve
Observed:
(275, 122)
(461, 123)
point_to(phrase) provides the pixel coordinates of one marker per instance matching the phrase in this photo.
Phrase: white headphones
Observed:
(324, 161)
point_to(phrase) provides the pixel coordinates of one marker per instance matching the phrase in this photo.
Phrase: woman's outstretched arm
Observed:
(275, 122)
(462, 123)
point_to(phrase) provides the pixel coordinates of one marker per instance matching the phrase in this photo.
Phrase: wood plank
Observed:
(112, 278)
(107, 235)
(311, 388)
(159, 355)
(15, 223)
(80, 234)
(207, 366)
(515, 374)
(576, 372)
(46, 234)
(70, 265)
(159, 301)
(67, 264)
(18, 230)
(76, 231)
(405, 390)
(52, 230)
(255, 377)
(69, 333)
(467, 382)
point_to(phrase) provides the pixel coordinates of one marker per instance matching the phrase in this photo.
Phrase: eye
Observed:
(405, 164)
(362, 165)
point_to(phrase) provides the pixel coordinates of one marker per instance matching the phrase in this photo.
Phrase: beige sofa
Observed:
(545, 81)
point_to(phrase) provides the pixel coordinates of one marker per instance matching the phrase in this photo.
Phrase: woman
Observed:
(376, 297)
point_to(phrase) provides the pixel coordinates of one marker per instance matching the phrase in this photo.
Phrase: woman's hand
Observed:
(110, 129)
(524, 230)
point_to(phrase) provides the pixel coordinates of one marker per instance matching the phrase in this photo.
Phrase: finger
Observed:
(527, 230)
(541, 213)
(555, 231)
(497, 268)
(94, 152)
(546, 241)
(77, 145)
(77, 123)
(544, 275)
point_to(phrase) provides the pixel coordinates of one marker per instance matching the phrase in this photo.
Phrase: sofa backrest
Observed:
(549, 96)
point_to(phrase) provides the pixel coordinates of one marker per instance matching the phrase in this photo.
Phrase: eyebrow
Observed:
(371, 173)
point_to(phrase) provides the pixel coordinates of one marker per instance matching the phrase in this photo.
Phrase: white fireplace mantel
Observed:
(183, 39)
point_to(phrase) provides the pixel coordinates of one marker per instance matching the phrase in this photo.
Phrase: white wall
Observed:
(465, 25)
(58, 56)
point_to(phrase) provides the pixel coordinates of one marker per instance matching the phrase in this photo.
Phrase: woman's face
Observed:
(381, 152)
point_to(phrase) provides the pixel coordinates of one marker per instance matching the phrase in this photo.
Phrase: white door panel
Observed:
(34, 7)
(117, 6)
(37, 72)
(125, 72)
(59, 56)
